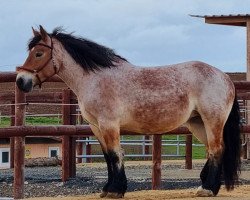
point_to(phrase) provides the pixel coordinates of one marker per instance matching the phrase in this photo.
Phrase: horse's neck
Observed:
(75, 77)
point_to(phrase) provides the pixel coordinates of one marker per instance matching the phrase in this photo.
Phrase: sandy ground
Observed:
(241, 193)
(174, 175)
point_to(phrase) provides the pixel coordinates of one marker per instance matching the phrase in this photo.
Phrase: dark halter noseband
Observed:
(40, 68)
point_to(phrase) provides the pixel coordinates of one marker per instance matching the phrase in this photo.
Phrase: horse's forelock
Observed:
(33, 41)
(37, 38)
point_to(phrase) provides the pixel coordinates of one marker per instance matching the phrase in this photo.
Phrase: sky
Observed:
(145, 32)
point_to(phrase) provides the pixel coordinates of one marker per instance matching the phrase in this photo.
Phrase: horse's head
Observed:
(39, 66)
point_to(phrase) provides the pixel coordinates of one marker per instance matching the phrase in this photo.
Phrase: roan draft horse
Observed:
(115, 95)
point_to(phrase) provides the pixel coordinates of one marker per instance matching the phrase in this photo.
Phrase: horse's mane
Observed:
(90, 55)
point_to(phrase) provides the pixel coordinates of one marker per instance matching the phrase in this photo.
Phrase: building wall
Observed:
(37, 150)
(33, 151)
(4, 157)
(40, 150)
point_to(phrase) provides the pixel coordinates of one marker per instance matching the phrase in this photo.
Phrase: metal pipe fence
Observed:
(178, 142)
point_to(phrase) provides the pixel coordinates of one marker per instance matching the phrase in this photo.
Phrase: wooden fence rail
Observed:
(76, 130)
(70, 130)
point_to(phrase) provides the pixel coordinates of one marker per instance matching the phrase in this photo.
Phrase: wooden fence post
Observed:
(68, 143)
(73, 139)
(12, 150)
(188, 158)
(66, 139)
(12, 139)
(19, 149)
(156, 156)
(147, 137)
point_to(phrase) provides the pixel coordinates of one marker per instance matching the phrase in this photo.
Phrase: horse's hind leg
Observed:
(211, 178)
(212, 171)
(197, 128)
(109, 138)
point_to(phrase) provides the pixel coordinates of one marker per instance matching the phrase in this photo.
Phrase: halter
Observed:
(40, 68)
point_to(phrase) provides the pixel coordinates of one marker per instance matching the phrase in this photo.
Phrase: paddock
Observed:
(176, 180)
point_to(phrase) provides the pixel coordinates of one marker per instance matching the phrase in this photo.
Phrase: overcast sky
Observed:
(146, 32)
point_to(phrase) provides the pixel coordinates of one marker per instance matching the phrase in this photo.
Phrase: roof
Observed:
(230, 15)
(237, 76)
(230, 19)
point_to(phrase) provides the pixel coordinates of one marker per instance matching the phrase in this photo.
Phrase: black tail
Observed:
(232, 148)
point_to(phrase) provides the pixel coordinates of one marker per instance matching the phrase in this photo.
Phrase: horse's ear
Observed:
(44, 34)
(35, 32)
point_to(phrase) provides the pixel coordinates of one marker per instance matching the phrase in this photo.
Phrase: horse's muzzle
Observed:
(24, 84)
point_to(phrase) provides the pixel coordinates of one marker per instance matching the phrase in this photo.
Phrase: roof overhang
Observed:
(231, 20)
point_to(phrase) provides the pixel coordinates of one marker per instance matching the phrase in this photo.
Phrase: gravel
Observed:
(90, 178)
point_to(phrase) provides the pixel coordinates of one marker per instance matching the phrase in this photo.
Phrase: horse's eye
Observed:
(39, 54)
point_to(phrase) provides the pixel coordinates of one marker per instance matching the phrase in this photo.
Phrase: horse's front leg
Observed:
(109, 138)
(110, 175)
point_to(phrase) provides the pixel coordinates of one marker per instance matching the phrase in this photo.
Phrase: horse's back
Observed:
(194, 78)
(163, 98)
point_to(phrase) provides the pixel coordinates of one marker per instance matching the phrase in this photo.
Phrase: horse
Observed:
(116, 95)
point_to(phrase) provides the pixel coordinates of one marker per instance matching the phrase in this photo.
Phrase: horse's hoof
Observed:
(114, 195)
(103, 194)
(201, 192)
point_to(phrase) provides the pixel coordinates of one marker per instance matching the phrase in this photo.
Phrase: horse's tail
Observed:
(232, 147)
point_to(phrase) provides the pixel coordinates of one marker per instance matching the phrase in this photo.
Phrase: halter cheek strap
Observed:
(40, 68)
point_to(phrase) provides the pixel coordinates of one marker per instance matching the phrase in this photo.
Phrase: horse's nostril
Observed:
(24, 85)
(20, 83)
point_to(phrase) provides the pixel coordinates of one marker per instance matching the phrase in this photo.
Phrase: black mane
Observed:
(90, 55)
